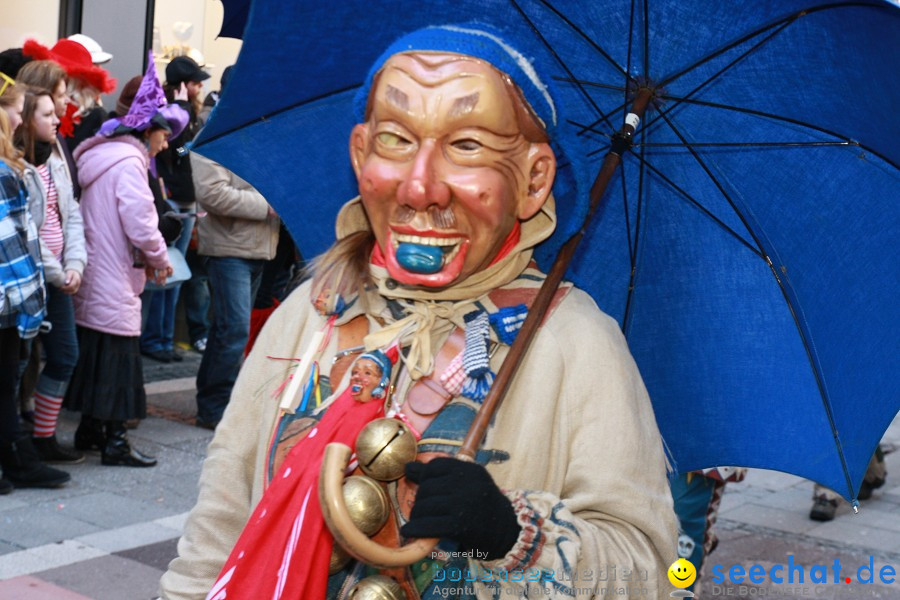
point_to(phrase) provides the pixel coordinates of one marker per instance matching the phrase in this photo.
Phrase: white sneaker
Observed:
(200, 345)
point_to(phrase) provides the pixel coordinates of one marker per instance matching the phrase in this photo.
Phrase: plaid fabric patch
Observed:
(454, 376)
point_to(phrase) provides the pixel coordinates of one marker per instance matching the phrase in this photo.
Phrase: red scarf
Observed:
(285, 547)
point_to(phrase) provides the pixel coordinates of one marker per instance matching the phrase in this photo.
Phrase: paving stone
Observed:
(174, 521)
(33, 588)
(129, 537)
(772, 518)
(39, 558)
(36, 526)
(875, 514)
(771, 480)
(167, 433)
(157, 555)
(107, 578)
(110, 510)
(866, 537)
(7, 548)
(794, 499)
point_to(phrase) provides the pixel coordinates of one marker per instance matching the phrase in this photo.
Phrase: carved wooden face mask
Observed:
(444, 169)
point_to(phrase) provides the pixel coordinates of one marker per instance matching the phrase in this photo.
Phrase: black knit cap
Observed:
(183, 69)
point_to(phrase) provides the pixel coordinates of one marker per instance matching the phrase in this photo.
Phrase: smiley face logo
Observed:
(682, 573)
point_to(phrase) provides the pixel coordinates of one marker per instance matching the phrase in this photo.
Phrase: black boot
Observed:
(5, 487)
(23, 467)
(118, 451)
(51, 452)
(89, 435)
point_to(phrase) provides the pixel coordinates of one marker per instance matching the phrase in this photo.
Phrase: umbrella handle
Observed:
(337, 519)
(540, 305)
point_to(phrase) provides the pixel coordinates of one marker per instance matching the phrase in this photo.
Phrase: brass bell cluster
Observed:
(376, 587)
(383, 448)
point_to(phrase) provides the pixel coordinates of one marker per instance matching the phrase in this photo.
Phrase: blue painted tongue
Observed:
(418, 258)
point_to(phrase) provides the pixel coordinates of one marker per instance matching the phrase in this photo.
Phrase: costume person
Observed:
(455, 176)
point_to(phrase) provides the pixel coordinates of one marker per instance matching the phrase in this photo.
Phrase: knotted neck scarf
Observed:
(432, 314)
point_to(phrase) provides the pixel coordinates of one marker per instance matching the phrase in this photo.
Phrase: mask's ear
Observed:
(359, 146)
(541, 173)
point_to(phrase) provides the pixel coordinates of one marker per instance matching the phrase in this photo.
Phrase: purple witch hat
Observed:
(149, 109)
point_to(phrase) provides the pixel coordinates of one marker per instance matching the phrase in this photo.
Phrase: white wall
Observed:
(206, 17)
(122, 30)
(23, 19)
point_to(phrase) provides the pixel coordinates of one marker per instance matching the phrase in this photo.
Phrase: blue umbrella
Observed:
(747, 245)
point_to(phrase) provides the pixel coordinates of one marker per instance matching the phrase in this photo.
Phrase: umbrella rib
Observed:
(603, 117)
(587, 38)
(274, 113)
(656, 171)
(557, 56)
(715, 181)
(628, 54)
(646, 38)
(633, 244)
(784, 22)
(781, 26)
(759, 113)
(712, 77)
(746, 144)
(790, 299)
(605, 86)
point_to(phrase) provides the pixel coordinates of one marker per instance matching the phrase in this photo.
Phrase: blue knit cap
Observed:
(494, 46)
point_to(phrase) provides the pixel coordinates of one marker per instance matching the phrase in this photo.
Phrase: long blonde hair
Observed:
(9, 154)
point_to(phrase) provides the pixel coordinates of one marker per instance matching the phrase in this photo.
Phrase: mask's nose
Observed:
(423, 187)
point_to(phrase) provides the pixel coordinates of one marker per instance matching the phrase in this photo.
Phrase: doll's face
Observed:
(444, 169)
(364, 377)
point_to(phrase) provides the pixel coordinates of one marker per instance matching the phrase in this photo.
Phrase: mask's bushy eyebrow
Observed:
(398, 98)
(465, 105)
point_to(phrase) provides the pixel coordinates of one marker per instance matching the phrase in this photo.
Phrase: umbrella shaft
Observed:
(621, 142)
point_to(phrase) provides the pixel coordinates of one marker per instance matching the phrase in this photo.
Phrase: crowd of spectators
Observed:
(99, 236)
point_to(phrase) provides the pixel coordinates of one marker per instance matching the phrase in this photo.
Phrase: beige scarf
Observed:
(432, 314)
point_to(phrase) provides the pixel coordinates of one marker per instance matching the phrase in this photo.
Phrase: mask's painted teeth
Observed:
(399, 238)
(449, 246)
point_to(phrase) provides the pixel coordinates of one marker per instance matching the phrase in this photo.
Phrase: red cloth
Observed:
(285, 547)
(258, 318)
(68, 121)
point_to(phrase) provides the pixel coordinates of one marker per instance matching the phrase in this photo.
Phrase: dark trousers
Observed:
(10, 348)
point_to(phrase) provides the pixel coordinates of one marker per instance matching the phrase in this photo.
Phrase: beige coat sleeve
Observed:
(587, 472)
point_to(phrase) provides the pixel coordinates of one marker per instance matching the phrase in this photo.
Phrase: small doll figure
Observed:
(370, 376)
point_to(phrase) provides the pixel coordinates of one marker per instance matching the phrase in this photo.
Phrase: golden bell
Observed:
(366, 502)
(377, 587)
(384, 447)
(339, 558)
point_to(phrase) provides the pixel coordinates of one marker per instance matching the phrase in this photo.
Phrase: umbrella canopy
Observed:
(747, 245)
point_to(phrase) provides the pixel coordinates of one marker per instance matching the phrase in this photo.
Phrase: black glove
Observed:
(459, 501)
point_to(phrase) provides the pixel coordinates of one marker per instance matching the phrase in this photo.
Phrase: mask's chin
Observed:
(425, 262)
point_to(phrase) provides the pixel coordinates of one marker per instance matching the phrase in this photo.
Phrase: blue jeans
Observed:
(234, 282)
(158, 331)
(60, 344)
(195, 296)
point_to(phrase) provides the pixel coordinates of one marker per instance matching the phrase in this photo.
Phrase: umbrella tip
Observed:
(855, 505)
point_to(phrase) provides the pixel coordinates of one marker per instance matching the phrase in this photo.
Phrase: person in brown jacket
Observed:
(235, 238)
